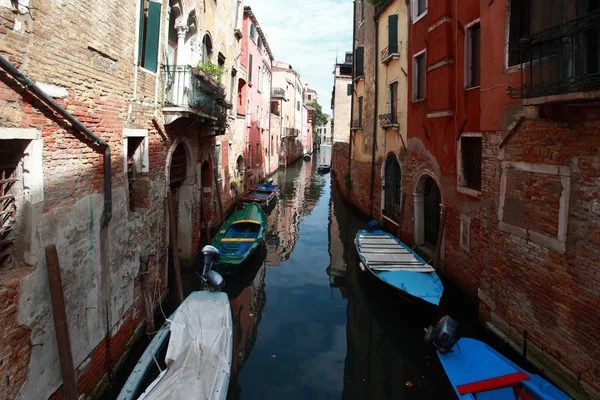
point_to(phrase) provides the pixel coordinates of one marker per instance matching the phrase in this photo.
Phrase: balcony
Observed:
(290, 132)
(278, 93)
(389, 121)
(560, 63)
(356, 125)
(191, 93)
(386, 56)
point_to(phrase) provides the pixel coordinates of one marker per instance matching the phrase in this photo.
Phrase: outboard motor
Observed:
(270, 181)
(372, 225)
(208, 276)
(443, 336)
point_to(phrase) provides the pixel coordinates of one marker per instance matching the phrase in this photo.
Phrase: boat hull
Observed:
(473, 369)
(414, 279)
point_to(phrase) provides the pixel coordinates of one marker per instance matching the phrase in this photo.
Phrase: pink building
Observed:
(257, 58)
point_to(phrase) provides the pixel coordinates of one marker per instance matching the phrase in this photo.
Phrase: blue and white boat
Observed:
(478, 372)
(398, 266)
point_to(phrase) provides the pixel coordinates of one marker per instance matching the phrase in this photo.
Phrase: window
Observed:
(360, 56)
(257, 154)
(149, 27)
(393, 102)
(419, 71)
(221, 60)
(136, 154)
(419, 9)
(360, 110)
(250, 69)
(298, 105)
(206, 49)
(470, 161)
(530, 17)
(250, 159)
(392, 189)
(260, 44)
(258, 78)
(218, 159)
(473, 56)
(349, 90)
(252, 31)
(248, 113)
(393, 34)
(362, 10)
(309, 97)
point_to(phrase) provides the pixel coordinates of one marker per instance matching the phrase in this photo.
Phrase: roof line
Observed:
(248, 10)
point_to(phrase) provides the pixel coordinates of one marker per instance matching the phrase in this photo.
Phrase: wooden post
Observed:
(440, 238)
(173, 245)
(144, 260)
(217, 187)
(61, 325)
(401, 217)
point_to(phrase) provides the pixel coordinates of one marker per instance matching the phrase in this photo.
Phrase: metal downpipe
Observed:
(374, 144)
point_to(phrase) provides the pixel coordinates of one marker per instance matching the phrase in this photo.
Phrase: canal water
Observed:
(309, 324)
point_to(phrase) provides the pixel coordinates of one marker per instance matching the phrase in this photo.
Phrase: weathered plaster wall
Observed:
(341, 113)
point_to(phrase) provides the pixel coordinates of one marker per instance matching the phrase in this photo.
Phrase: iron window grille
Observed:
(562, 59)
(470, 161)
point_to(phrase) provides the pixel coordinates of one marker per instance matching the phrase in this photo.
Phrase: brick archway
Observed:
(427, 199)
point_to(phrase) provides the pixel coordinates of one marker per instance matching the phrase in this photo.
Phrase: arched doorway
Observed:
(427, 207)
(181, 187)
(392, 188)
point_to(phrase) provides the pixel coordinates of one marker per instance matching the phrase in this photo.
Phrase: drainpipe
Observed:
(351, 96)
(33, 88)
(375, 18)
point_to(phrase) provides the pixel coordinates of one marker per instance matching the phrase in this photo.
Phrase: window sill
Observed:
(147, 71)
(358, 128)
(393, 127)
(418, 100)
(468, 191)
(393, 56)
(359, 78)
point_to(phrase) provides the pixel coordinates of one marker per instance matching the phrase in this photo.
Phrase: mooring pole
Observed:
(401, 217)
(440, 238)
(173, 242)
(61, 325)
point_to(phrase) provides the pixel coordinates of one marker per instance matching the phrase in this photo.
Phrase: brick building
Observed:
(134, 78)
(502, 142)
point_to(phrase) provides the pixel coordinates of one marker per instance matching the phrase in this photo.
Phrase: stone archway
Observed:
(427, 207)
(181, 182)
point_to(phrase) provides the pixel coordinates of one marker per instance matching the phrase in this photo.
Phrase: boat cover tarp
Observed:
(199, 352)
(474, 361)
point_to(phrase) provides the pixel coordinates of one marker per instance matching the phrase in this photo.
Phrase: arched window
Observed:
(392, 188)
(207, 49)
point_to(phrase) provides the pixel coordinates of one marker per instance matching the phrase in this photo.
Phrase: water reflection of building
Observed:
(337, 265)
(246, 311)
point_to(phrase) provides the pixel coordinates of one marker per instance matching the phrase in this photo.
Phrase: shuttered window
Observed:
(253, 31)
(360, 56)
(393, 33)
(349, 89)
(149, 31)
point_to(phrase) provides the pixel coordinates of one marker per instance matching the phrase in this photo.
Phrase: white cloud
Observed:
(306, 34)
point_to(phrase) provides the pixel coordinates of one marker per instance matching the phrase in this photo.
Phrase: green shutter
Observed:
(250, 69)
(141, 33)
(349, 89)
(393, 33)
(152, 35)
(360, 56)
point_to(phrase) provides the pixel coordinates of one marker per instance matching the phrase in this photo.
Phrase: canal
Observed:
(309, 324)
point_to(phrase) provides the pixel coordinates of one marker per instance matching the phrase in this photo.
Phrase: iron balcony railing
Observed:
(290, 132)
(356, 124)
(563, 59)
(387, 120)
(278, 92)
(189, 87)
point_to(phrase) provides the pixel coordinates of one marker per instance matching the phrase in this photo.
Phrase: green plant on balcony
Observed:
(212, 70)
(222, 120)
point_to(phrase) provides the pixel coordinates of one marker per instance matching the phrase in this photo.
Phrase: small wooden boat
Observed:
(239, 237)
(323, 168)
(264, 198)
(395, 264)
(197, 361)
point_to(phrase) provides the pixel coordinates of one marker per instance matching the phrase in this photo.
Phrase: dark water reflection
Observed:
(311, 325)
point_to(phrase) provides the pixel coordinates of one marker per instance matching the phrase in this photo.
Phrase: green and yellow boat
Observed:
(239, 237)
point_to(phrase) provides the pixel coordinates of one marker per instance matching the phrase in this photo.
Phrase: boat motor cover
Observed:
(199, 352)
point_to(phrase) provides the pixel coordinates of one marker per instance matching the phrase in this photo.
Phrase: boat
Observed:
(268, 186)
(398, 266)
(239, 237)
(196, 363)
(264, 198)
(323, 168)
(477, 371)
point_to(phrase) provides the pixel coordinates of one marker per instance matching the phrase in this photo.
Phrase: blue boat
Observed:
(398, 266)
(478, 372)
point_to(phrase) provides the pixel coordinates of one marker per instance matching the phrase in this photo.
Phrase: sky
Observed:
(306, 34)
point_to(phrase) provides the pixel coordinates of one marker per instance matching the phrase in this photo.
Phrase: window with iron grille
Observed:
(392, 189)
(470, 162)
(132, 172)
(11, 152)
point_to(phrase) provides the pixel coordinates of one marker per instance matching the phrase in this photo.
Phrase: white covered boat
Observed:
(198, 357)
